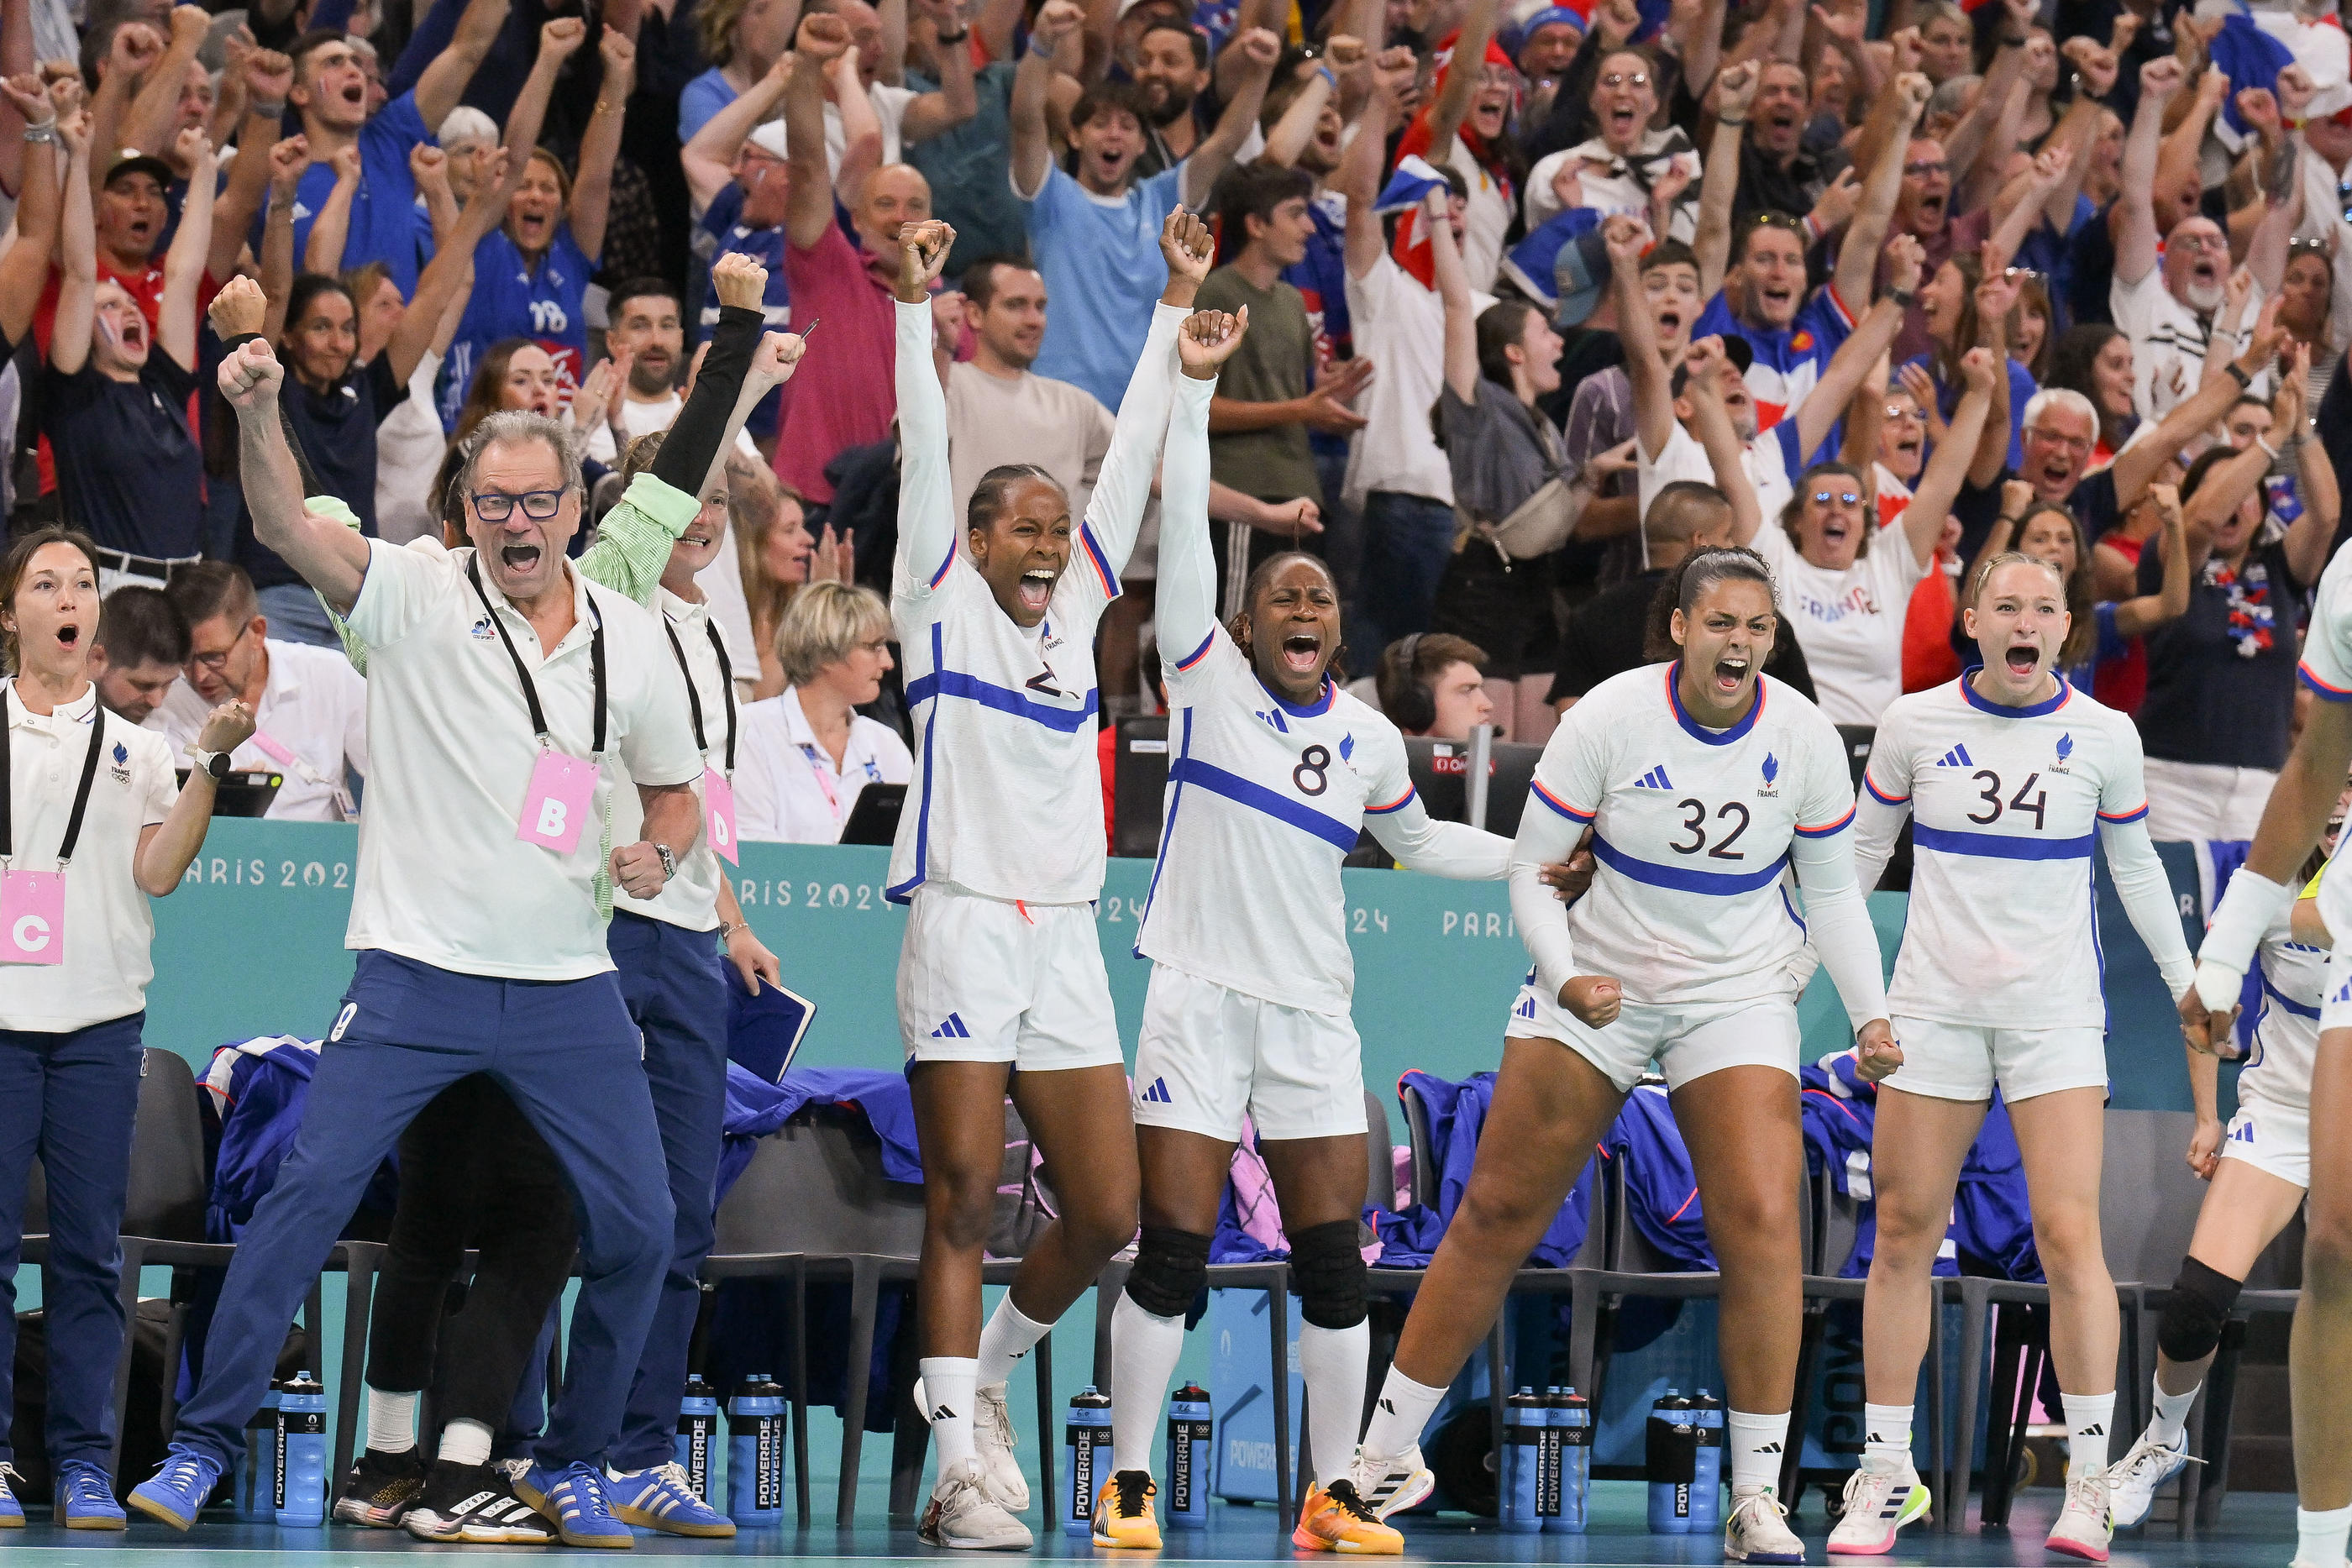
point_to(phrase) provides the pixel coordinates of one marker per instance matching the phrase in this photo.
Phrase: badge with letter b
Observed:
(558, 805)
(718, 812)
(32, 917)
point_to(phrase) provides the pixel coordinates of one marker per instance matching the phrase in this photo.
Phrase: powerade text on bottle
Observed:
(755, 1453)
(1548, 1458)
(302, 1452)
(698, 1428)
(1572, 1417)
(1707, 1480)
(1523, 1427)
(257, 1467)
(1189, 1448)
(1086, 1458)
(1672, 1455)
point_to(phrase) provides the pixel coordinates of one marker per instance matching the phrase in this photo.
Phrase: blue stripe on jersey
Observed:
(941, 576)
(1101, 562)
(1698, 731)
(1258, 797)
(2289, 1003)
(1167, 826)
(1556, 804)
(1997, 846)
(1715, 884)
(956, 684)
(1397, 804)
(1197, 654)
(2032, 710)
(1880, 796)
(2320, 688)
(1826, 828)
(905, 892)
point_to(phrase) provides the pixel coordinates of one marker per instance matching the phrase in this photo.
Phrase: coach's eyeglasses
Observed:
(538, 505)
(219, 662)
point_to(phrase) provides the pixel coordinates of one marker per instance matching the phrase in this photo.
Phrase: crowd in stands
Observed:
(1541, 298)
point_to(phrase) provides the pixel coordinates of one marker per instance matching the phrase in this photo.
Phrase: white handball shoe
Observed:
(1758, 1529)
(964, 1515)
(2132, 1484)
(1877, 1504)
(2086, 1524)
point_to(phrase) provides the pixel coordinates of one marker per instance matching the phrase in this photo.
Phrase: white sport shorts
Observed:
(2270, 1138)
(980, 979)
(1963, 1062)
(1208, 1054)
(1687, 1041)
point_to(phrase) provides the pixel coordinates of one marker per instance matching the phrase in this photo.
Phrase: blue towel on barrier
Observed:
(1660, 1189)
(756, 1107)
(1457, 1110)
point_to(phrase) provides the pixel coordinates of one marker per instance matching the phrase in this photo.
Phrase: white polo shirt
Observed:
(313, 704)
(788, 790)
(690, 899)
(109, 925)
(442, 877)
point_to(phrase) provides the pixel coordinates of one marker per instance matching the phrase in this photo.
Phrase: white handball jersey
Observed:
(2286, 1031)
(2327, 669)
(2006, 806)
(1692, 829)
(1006, 797)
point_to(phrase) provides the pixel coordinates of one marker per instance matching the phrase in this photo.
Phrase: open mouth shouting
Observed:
(519, 557)
(69, 635)
(1036, 588)
(1729, 670)
(2024, 660)
(1302, 653)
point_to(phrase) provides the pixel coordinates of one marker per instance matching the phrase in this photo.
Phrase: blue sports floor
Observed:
(2257, 1532)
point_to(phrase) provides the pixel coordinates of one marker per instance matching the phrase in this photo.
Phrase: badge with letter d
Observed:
(718, 812)
(558, 804)
(32, 917)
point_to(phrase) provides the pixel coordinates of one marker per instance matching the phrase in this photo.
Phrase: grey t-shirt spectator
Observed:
(966, 168)
(1272, 365)
(1501, 451)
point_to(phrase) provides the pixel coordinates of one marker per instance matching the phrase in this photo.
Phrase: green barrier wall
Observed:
(252, 943)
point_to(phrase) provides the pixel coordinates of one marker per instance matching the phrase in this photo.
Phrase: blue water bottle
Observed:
(1547, 1472)
(1671, 1447)
(698, 1428)
(1574, 1418)
(1523, 1426)
(1086, 1458)
(755, 1454)
(1706, 1479)
(301, 1490)
(256, 1466)
(1189, 1447)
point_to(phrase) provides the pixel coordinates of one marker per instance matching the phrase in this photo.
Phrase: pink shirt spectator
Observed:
(843, 395)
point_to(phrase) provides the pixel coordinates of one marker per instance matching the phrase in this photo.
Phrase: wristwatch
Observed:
(669, 861)
(1903, 296)
(213, 762)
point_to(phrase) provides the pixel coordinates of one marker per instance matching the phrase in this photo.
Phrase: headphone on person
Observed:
(1411, 704)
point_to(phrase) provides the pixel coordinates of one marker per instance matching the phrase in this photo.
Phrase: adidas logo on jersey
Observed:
(1276, 720)
(1956, 757)
(1656, 778)
(951, 1030)
(1158, 1093)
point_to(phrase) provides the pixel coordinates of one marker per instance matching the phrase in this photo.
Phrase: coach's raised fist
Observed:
(1592, 999)
(1208, 338)
(922, 253)
(740, 281)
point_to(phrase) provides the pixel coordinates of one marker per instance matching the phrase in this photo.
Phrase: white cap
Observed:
(769, 139)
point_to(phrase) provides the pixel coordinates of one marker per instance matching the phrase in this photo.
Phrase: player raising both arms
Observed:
(1001, 857)
(1703, 782)
(2010, 777)
(1278, 770)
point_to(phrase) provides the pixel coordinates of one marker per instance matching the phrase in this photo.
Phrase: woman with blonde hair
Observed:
(808, 754)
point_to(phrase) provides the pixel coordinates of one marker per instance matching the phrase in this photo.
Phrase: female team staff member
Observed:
(1000, 854)
(2010, 775)
(1248, 1007)
(1702, 783)
(93, 827)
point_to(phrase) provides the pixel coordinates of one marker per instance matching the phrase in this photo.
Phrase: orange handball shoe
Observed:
(1340, 1521)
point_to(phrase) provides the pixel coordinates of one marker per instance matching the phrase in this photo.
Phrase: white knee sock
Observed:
(2089, 1416)
(2319, 1537)
(2171, 1423)
(391, 1421)
(1886, 1438)
(1756, 1444)
(1144, 1350)
(1404, 1409)
(1009, 1335)
(1336, 1363)
(948, 1383)
(465, 1443)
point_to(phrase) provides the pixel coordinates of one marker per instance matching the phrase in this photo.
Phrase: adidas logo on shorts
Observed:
(1158, 1093)
(951, 1030)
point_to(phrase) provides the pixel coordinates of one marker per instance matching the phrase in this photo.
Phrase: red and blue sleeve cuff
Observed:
(2135, 814)
(1396, 805)
(1880, 796)
(1562, 807)
(2320, 688)
(1826, 828)
(1197, 654)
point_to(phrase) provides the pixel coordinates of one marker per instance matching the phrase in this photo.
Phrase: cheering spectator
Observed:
(142, 642)
(1434, 685)
(1172, 66)
(1626, 168)
(1001, 413)
(1094, 236)
(2104, 630)
(906, 116)
(1946, 41)
(647, 342)
(1466, 129)
(1967, 307)
(775, 556)
(1778, 174)
(742, 39)
(808, 754)
(2095, 361)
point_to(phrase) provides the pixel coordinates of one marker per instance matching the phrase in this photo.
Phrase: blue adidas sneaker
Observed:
(573, 1500)
(176, 1493)
(12, 1512)
(661, 1498)
(85, 1497)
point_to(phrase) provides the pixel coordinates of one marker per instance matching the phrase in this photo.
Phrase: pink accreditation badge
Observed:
(718, 809)
(32, 917)
(562, 790)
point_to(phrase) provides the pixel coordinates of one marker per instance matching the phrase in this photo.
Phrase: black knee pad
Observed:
(2198, 1311)
(1327, 1269)
(1171, 1267)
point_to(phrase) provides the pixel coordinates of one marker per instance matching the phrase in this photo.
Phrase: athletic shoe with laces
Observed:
(12, 1512)
(994, 1440)
(85, 1497)
(1391, 1483)
(1123, 1515)
(2132, 1484)
(2084, 1525)
(1339, 1520)
(962, 1515)
(660, 1497)
(474, 1504)
(176, 1493)
(573, 1499)
(381, 1489)
(1758, 1529)
(1877, 1504)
